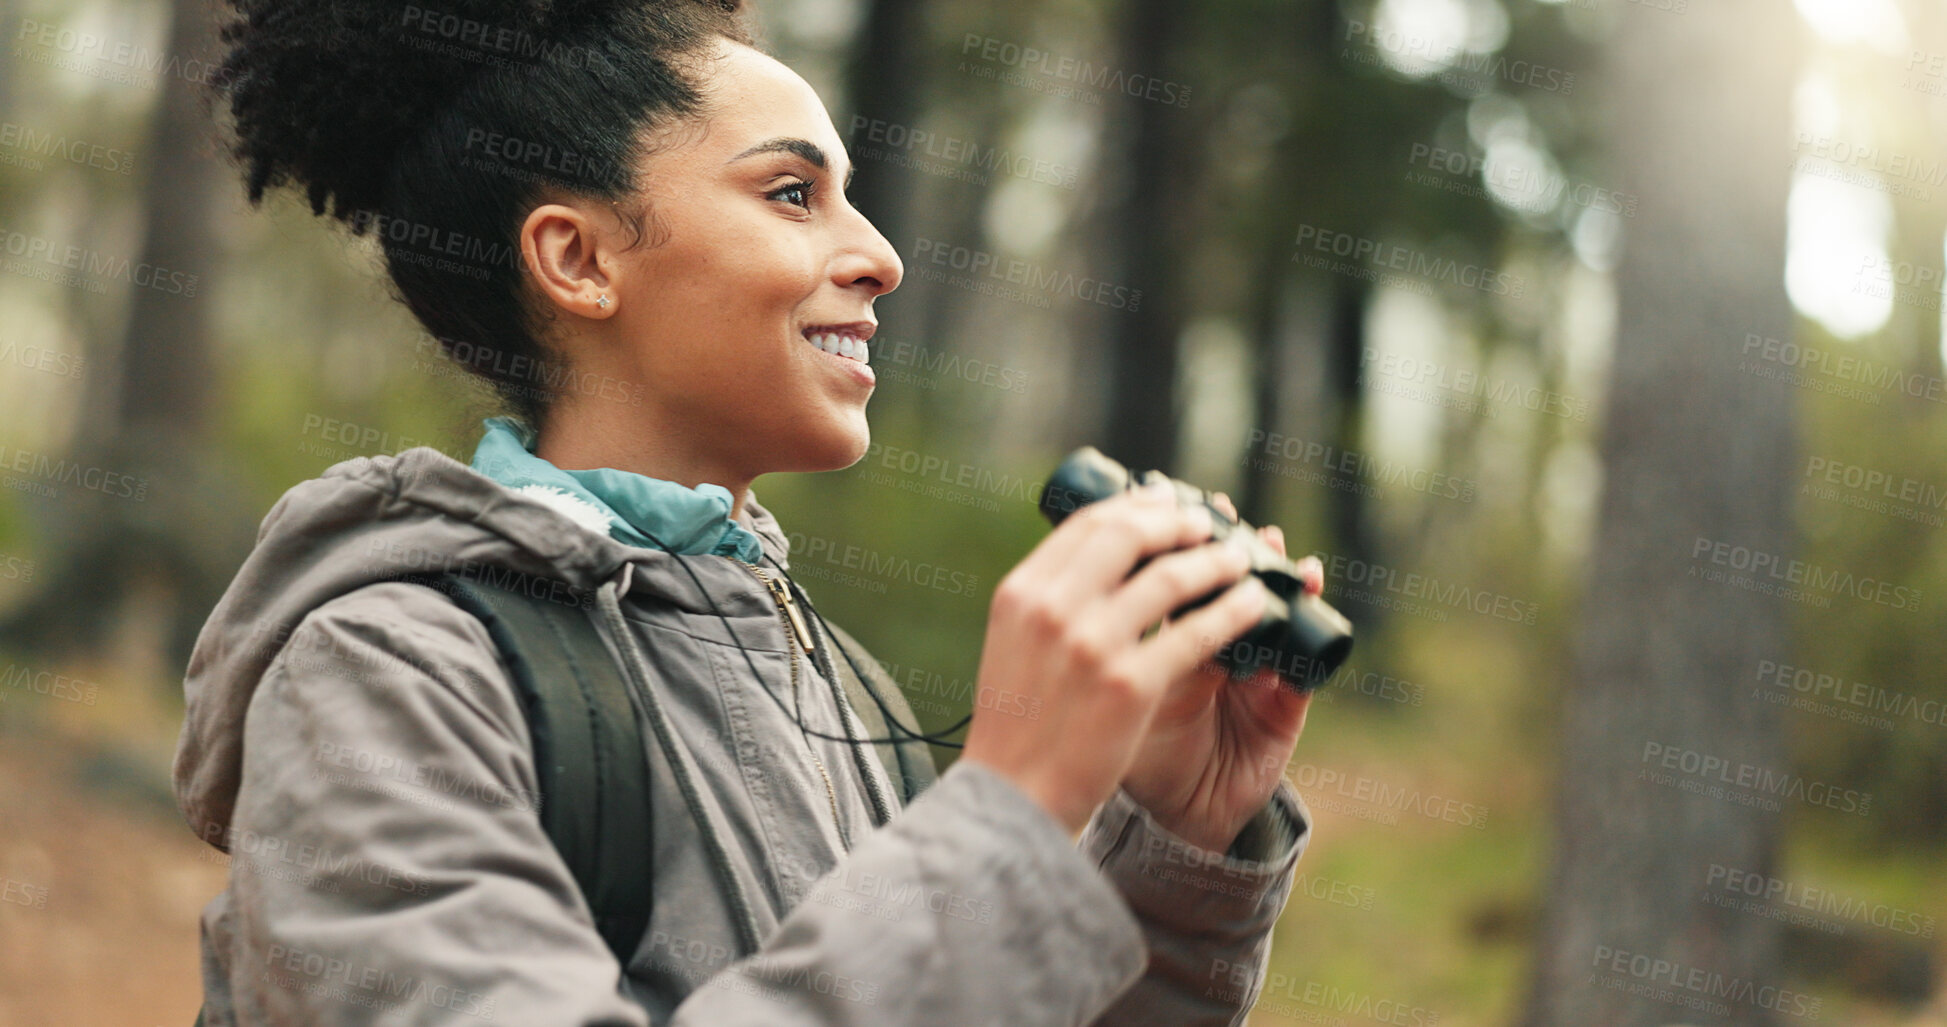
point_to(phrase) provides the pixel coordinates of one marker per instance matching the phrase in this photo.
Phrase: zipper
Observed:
(863, 755)
(788, 611)
(790, 608)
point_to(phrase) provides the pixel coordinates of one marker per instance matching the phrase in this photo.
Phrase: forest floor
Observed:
(102, 897)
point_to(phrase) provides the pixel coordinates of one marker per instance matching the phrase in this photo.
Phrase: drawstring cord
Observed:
(650, 705)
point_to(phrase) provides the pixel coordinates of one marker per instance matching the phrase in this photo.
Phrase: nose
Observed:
(867, 261)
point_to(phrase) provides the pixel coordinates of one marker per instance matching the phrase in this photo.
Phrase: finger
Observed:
(1311, 571)
(1144, 519)
(1118, 540)
(1168, 582)
(1273, 536)
(1183, 645)
(1222, 502)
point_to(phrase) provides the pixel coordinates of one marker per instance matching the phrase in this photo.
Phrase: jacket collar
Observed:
(631, 508)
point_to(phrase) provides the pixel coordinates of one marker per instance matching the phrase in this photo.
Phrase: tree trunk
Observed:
(1694, 449)
(1148, 234)
(157, 556)
(887, 82)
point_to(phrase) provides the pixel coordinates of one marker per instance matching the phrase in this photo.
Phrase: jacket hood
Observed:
(363, 521)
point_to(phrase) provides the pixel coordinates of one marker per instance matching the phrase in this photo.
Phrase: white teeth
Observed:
(841, 345)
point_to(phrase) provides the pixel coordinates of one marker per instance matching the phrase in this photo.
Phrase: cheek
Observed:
(735, 291)
(720, 341)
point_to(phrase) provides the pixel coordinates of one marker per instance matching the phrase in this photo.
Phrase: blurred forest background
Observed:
(1595, 344)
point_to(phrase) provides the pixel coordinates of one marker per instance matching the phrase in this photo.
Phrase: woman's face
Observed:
(750, 251)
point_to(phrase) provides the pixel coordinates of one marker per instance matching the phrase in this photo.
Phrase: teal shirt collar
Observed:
(692, 521)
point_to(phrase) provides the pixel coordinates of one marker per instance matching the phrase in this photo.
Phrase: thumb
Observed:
(1274, 705)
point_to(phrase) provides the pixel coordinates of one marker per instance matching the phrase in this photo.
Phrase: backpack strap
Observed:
(589, 759)
(908, 762)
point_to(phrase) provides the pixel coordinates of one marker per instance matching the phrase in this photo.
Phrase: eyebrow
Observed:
(802, 147)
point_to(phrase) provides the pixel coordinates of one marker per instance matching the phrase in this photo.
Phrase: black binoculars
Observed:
(1300, 636)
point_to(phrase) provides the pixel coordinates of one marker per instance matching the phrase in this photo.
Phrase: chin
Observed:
(838, 446)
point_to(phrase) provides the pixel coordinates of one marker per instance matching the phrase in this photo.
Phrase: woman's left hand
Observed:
(1216, 749)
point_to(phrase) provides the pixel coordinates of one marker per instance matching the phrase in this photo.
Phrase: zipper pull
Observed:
(790, 608)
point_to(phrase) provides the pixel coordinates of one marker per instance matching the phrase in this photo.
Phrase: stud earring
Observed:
(602, 301)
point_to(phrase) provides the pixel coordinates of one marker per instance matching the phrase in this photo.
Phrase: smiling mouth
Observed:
(848, 341)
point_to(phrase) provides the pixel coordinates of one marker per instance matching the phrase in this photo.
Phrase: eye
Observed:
(798, 194)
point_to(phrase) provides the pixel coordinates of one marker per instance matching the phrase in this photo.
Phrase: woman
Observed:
(632, 192)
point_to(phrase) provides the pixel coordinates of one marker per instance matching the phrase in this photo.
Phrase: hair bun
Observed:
(323, 93)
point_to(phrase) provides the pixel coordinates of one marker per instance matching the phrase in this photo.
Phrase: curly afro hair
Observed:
(438, 127)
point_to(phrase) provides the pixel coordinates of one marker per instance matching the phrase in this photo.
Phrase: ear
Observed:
(570, 258)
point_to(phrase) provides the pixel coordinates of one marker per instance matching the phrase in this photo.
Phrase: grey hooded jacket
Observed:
(356, 745)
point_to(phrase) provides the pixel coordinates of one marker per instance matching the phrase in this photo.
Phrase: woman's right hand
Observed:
(1067, 682)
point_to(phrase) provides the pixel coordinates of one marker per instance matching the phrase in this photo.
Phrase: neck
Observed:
(576, 439)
